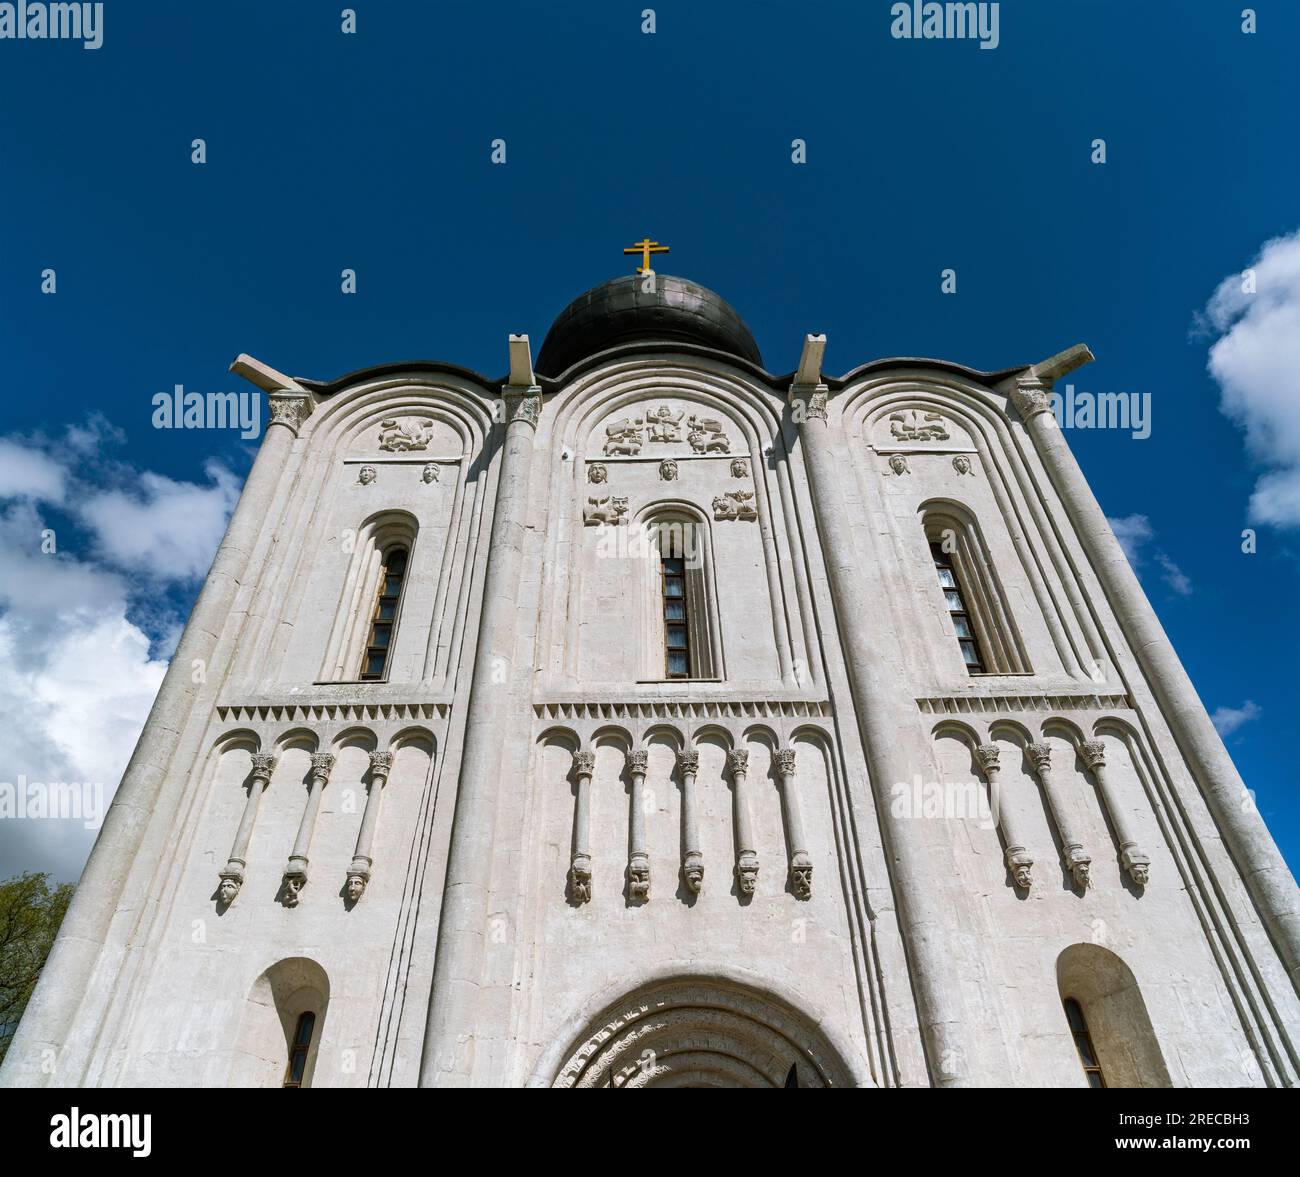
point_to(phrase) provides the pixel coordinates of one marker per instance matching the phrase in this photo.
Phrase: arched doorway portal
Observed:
(702, 1032)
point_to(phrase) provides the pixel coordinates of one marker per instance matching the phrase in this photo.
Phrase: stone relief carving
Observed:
(706, 436)
(663, 424)
(917, 425)
(897, 465)
(609, 509)
(735, 504)
(668, 470)
(598, 472)
(367, 475)
(429, 473)
(623, 437)
(739, 468)
(401, 435)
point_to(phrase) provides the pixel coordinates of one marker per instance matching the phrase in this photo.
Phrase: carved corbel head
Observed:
(801, 871)
(294, 882)
(638, 878)
(1022, 866)
(229, 886)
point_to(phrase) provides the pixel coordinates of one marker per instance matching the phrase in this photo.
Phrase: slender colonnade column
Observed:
(1018, 861)
(381, 764)
(232, 876)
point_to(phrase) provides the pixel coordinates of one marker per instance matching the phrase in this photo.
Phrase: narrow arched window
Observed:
(1083, 1043)
(677, 642)
(383, 624)
(962, 622)
(682, 626)
(299, 1049)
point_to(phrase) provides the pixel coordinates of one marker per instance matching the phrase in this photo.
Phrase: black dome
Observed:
(618, 311)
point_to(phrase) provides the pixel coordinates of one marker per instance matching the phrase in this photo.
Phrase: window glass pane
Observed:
(675, 610)
(947, 579)
(673, 587)
(677, 663)
(961, 625)
(954, 602)
(381, 633)
(677, 637)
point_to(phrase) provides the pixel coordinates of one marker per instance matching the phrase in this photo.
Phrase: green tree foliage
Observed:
(30, 914)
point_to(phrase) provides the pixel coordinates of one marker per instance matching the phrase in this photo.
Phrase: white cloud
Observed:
(1174, 576)
(167, 530)
(1228, 719)
(1256, 362)
(30, 474)
(1132, 531)
(76, 676)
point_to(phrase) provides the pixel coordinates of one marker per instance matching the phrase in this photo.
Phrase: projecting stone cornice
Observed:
(990, 704)
(323, 712)
(685, 709)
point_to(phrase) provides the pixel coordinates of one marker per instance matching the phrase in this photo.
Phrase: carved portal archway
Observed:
(702, 1032)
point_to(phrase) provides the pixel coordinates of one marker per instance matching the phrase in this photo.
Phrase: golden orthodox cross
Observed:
(645, 247)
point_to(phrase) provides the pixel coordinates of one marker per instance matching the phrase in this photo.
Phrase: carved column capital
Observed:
(1040, 756)
(1093, 753)
(785, 761)
(688, 760)
(263, 766)
(522, 404)
(1030, 397)
(289, 409)
(990, 757)
(738, 761)
(584, 763)
(808, 402)
(322, 763)
(637, 760)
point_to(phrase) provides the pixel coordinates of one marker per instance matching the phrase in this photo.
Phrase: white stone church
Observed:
(643, 719)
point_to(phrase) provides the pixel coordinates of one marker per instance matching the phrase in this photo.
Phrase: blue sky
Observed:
(371, 152)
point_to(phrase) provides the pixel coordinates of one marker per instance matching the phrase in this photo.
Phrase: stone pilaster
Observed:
(1257, 857)
(882, 713)
(453, 1024)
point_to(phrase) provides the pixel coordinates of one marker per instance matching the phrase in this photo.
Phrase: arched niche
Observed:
(275, 1003)
(702, 1031)
(1116, 1015)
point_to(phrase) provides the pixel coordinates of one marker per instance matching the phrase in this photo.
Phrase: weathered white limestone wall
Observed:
(186, 990)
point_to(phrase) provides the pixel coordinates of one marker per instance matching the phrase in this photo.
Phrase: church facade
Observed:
(644, 719)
